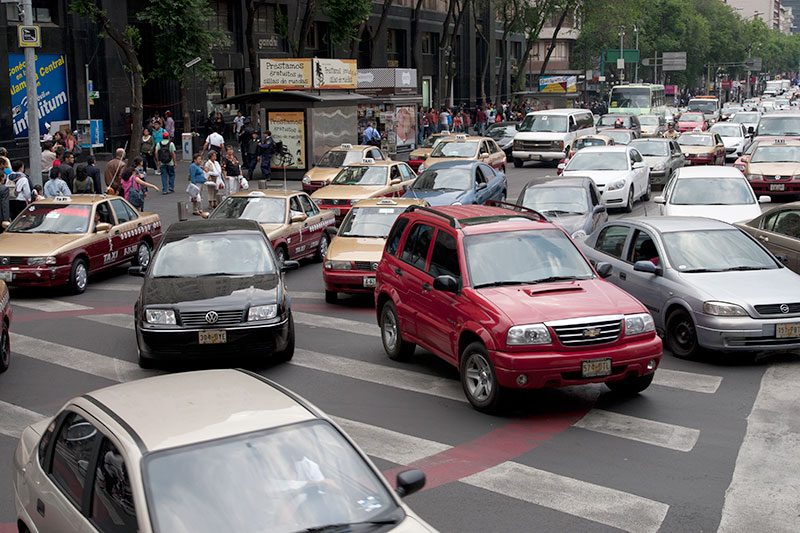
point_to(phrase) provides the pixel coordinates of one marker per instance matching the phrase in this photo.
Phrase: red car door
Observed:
(412, 276)
(101, 250)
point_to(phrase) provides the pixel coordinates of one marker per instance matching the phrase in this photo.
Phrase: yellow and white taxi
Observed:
(367, 179)
(63, 240)
(5, 324)
(774, 167)
(292, 221)
(334, 159)
(418, 156)
(354, 253)
(465, 148)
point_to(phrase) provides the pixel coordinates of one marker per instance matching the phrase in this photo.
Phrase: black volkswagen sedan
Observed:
(213, 290)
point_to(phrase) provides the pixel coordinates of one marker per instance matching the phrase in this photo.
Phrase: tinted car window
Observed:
(73, 450)
(415, 251)
(308, 206)
(643, 249)
(43, 444)
(444, 258)
(612, 240)
(785, 222)
(486, 172)
(104, 211)
(112, 501)
(393, 240)
(120, 211)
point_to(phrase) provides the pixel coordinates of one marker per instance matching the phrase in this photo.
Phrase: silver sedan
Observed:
(706, 283)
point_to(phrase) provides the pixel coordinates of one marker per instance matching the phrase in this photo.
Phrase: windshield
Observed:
(691, 117)
(620, 137)
(52, 218)
(704, 106)
(694, 139)
(648, 120)
(552, 123)
(712, 191)
(715, 251)
(361, 176)
(290, 478)
(598, 161)
(651, 148)
(501, 131)
(448, 179)
(209, 254)
(556, 200)
(741, 118)
(776, 154)
(584, 142)
(778, 126)
(339, 158)
(630, 97)
(455, 149)
(727, 130)
(432, 141)
(262, 210)
(610, 120)
(370, 221)
(528, 257)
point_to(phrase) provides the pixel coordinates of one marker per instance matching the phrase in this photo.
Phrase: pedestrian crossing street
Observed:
(517, 477)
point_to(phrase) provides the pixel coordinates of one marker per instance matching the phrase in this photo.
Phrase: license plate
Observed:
(369, 281)
(6, 276)
(596, 367)
(536, 157)
(213, 337)
(787, 331)
(776, 186)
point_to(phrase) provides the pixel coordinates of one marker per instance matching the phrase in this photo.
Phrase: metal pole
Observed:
(621, 53)
(34, 144)
(747, 90)
(89, 110)
(636, 68)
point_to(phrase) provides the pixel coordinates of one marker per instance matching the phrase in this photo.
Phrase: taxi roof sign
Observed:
(62, 199)
(386, 201)
(780, 141)
(256, 193)
(346, 146)
(461, 137)
(368, 161)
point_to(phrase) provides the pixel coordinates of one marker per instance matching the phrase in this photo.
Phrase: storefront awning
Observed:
(295, 97)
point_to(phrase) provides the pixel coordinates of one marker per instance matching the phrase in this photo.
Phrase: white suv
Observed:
(547, 135)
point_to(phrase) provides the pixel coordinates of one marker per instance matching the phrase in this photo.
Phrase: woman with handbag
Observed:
(197, 177)
(132, 186)
(213, 181)
(232, 171)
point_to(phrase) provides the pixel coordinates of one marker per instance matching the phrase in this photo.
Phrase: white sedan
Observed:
(620, 172)
(716, 192)
(734, 137)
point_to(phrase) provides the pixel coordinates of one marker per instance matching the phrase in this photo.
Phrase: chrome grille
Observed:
(597, 331)
(775, 309)
(224, 318)
(537, 145)
(778, 177)
(336, 202)
(366, 265)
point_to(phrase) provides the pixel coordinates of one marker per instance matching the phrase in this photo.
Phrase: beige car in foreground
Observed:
(197, 452)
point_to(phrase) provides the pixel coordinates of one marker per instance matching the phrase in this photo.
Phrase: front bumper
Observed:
(415, 164)
(349, 281)
(245, 340)
(37, 276)
(615, 198)
(742, 333)
(658, 177)
(560, 369)
(539, 156)
(772, 187)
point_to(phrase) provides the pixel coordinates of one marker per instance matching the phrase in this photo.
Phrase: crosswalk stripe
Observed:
(307, 295)
(690, 381)
(14, 419)
(660, 434)
(342, 324)
(48, 305)
(608, 506)
(390, 445)
(118, 320)
(115, 287)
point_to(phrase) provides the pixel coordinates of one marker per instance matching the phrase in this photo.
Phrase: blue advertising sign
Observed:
(51, 86)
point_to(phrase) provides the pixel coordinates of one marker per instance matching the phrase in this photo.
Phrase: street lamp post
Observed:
(621, 71)
(636, 68)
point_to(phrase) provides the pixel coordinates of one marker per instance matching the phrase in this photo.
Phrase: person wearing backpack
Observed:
(82, 184)
(165, 153)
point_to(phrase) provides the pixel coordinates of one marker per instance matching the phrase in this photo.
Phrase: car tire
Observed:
(646, 195)
(78, 276)
(281, 254)
(629, 206)
(331, 297)
(322, 248)
(631, 386)
(143, 255)
(681, 335)
(287, 353)
(396, 348)
(518, 163)
(5, 348)
(478, 378)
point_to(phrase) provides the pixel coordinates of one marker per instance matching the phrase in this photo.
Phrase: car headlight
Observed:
(639, 323)
(527, 335)
(262, 312)
(306, 180)
(456, 203)
(518, 145)
(49, 260)
(755, 177)
(164, 317)
(421, 167)
(723, 309)
(660, 166)
(317, 201)
(617, 185)
(580, 234)
(338, 265)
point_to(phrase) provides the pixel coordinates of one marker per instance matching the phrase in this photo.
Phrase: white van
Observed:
(547, 135)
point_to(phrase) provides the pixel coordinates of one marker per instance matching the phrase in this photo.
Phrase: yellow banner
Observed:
(285, 74)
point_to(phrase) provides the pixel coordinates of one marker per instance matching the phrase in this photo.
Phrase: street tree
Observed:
(370, 35)
(534, 14)
(346, 18)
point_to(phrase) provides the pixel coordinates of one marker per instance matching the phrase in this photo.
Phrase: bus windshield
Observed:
(630, 97)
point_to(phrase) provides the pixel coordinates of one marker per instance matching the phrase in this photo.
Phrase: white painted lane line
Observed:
(764, 494)
(690, 381)
(119, 320)
(48, 305)
(611, 507)
(390, 445)
(307, 295)
(661, 434)
(342, 324)
(77, 359)
(14, 419)
(115, 287)
(382, 375)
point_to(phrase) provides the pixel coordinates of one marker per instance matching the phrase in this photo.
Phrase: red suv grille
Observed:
(589, 333)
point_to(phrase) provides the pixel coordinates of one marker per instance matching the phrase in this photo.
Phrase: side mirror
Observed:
(763, 199)
(745, 158)
(102, 226)
(751, 130)
(603, 269)
(480, 186)
(599, 209)
(638, 164)
(409, 482)
(6, 224)
(289, 265)
(136, 271)
(299, 217)
(562, 166)
(331, 231)
(395, 181)
(659, 200)
(445, 283)
(205, 214)
(647, 267)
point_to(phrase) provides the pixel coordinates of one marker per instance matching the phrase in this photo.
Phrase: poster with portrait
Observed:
(406, 125)
(288, 127)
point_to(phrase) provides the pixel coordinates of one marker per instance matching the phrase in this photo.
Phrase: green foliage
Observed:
(85, 8)
(346, 16)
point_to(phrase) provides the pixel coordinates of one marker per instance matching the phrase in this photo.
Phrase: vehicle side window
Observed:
(73, 451)
(444, 257)
(294, 207)
(376, 154)
(406, 172)
(395, 173)
(485, 174)
(393, 240)
(415, 251)
(132, 214)
(643, 249)
(593, 194)
(493, 147)
(120, 211)
(612, 240)
(785, 223)
(572, 126)
(308, 206)
(112, 500)
(44, 443)
(484, 150)
(104, 211)
(636, 156)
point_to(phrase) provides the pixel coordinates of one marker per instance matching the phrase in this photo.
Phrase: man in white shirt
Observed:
(238, 122)
(215, 142)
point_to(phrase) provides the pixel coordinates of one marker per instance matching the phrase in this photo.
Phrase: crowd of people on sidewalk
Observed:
(465, 119)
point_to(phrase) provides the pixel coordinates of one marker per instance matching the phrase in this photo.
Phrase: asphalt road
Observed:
(573, 459)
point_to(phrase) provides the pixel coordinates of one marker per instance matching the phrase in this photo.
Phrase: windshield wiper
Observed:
(345, 526)
(501, 283)
(556, 278)
(743, 268)
(695, 270)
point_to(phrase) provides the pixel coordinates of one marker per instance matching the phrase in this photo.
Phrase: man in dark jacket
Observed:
(94, 174)
(67, 170)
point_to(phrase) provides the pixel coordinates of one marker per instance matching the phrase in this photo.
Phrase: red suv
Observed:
(508, 298)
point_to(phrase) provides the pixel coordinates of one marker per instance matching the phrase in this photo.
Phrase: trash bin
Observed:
(183, 211)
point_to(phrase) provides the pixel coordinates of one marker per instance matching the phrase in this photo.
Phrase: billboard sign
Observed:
(558, 84)
(51, 86)
(285, 74)
(335, 74)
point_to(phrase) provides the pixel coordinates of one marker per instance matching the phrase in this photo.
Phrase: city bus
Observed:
(640, 99)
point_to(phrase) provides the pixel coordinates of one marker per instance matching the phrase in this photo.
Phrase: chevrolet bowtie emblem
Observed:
(591, 333)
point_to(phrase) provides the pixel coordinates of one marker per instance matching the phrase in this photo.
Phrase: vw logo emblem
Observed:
(374, 266)
(778, 177)
(212, 317)
(784, 308)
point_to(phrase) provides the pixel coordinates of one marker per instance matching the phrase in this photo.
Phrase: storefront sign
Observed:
(283, 74)
(388, 81)
(270, 42)
(288, 127)
(558, 84)
(335, 74)
(51, 86)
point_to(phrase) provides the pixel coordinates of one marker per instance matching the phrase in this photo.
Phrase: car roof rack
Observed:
(452, 220)
(522, 209)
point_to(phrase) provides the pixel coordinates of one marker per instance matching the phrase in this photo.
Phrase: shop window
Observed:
(44, 12)
(395, 45)
(221, 20)
(264, 19)
(427, 43)
(312, 37)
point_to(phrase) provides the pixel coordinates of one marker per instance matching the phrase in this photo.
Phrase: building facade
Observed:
(767, 10)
